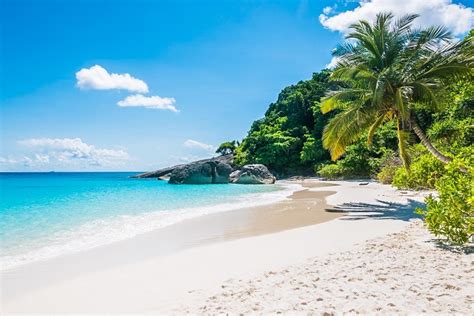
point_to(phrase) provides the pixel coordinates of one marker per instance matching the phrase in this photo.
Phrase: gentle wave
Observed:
(101, 232)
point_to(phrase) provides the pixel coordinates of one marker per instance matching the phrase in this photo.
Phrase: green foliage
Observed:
(453, 125)
(450, 127)
(288, 138)
(386, 69)
(390, 81)
(332, 171)
(227, 148)
(313, 150)
(362, 160)
(451, 214)
(424, 171)
(388, 165)
(358, 162)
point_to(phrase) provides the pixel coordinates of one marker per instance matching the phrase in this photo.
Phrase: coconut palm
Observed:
(385, 69)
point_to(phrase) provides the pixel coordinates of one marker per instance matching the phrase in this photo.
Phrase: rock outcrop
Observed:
(158, 173)
(202, 172)
(212, 170)
(252, 174)
(166, 172)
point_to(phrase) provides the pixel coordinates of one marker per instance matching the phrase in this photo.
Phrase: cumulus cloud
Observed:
(151, 102)
(97, 77)
(71, 151)
(190, 143)
(458, 18)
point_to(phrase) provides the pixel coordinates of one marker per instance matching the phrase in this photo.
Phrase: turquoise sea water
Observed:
(47, 214)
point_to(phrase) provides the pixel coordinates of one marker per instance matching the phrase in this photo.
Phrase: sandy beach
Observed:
(368, 253)
(402, 273)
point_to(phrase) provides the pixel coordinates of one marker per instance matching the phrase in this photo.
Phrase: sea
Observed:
(43, 215)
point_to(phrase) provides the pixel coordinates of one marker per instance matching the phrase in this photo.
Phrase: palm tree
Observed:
(385, 69)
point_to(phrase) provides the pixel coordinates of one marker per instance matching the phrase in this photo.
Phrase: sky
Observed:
(138, 84)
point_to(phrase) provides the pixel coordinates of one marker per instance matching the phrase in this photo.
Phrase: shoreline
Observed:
(99, 233)
(294, 210)
(123, 276)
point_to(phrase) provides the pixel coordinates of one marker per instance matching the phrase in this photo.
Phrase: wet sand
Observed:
(302, 208)
(171, 269)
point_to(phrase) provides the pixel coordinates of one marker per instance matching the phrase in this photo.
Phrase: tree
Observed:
(287, 138)
(388, 69)
(227, 148)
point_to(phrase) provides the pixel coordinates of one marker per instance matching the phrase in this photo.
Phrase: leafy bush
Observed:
(451, 214)
(313, 150)
(332, 171)
(424, 172)
(388, 165)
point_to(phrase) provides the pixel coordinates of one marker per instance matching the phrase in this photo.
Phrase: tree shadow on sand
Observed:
(396, 211)
(380, 210)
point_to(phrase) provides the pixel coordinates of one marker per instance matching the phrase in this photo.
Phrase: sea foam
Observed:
(105, 231)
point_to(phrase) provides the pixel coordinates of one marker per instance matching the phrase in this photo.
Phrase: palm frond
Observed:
(403, 24)
(379, 90)
(401, 105)
(423, 92)
(373, 128)
(452, 70)
(343, 130)
(338, 99)
(343, 49)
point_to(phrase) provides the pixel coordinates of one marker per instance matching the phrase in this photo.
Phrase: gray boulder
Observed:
(166, 172)
(202, 172)
(252, 174)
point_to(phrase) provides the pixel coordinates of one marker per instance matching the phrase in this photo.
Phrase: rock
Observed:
(252, 174)
(166, 172)
(160, 174)
(207, 171)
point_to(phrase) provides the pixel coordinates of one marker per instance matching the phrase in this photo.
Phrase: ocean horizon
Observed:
(46, 214)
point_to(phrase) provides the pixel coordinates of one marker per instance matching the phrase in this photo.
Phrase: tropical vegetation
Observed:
(398, 107)
(227, 148)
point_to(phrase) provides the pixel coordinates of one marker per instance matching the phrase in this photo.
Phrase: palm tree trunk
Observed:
(425, 141)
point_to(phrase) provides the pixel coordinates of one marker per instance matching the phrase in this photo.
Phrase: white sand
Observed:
(402, 273)
(186, 279)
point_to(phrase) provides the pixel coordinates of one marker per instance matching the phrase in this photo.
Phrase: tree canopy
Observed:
(227, 148)
(288, 138)
(389, 69)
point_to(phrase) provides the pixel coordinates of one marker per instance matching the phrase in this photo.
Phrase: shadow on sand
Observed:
(380, 210)
(396, 211)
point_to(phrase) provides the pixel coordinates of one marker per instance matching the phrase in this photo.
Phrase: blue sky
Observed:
(218, 63)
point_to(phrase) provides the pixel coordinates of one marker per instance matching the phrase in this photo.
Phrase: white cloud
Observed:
(25, 161)
(8, 160)
(42, 158)
(97, 77)
(195, 144)
(152, 102)
(456, 17)
(332, 64)
(327, 10)
(70, 151)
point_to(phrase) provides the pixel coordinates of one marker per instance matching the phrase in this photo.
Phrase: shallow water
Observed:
(47, 214)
